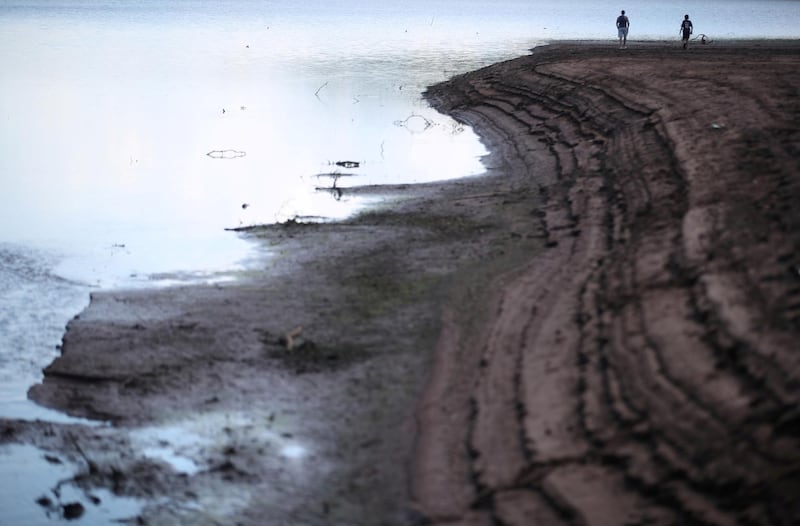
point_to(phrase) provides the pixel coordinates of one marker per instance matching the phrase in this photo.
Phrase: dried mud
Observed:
(644, 369)
(603, 329)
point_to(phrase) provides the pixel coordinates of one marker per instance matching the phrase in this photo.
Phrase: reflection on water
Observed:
(97, 146)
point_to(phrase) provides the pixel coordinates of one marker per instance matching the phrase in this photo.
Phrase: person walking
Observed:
(686, 30)
(622, 29)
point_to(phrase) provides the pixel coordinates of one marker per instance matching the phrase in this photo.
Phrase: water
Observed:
(46, 478)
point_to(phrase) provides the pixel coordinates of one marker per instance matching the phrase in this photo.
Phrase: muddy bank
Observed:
(644, 369)
(601, 330)
(321, 433)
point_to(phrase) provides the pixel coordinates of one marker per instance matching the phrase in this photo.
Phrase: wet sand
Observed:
(603, 329)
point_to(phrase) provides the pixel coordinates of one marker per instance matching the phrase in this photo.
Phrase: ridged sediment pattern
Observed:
(645, 368)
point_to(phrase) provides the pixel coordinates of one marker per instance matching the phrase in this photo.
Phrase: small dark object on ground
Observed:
(73, 510)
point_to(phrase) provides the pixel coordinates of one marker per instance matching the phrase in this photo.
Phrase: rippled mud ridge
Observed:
(644, 368)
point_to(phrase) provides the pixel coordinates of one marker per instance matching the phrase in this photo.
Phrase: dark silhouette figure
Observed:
(686, 30)
(622, 29)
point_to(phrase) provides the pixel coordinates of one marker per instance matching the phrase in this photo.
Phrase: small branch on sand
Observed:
(288, 338)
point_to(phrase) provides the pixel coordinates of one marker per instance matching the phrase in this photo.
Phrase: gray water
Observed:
(109, 111)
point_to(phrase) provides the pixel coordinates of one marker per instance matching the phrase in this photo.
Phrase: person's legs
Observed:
(685, 39)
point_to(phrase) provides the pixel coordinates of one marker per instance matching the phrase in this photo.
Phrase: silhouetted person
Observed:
(622, 29)
(686, 30)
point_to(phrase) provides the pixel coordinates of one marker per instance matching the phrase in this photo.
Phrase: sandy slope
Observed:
(644, 370)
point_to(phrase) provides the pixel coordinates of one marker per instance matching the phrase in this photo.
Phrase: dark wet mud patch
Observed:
(447, 226)
(381, 284)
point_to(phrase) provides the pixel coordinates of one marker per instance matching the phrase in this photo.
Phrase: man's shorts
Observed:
(623, 32)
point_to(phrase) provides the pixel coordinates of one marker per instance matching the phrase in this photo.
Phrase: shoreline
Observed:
(489, 348)
(638, 371)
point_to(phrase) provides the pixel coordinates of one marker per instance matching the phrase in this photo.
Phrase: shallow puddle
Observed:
(38, 490)
(189, 445)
